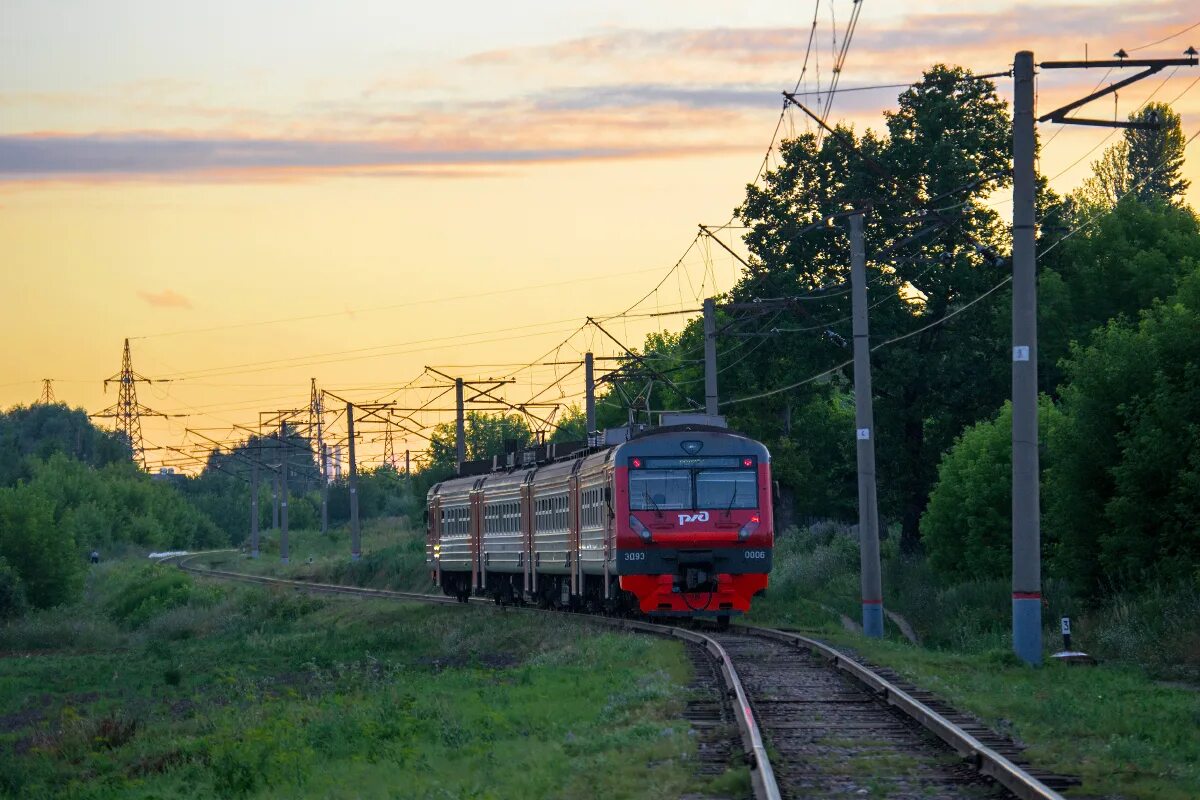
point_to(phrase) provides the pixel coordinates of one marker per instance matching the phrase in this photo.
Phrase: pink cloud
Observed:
(167, 298)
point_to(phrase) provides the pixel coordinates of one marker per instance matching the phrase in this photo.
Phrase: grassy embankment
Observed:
(1121, 726)
(393, 557)
(162, 686)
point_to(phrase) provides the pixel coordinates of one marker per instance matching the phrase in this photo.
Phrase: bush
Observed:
(157, 591)
(967, 526)
(40, 552)
(1123, 485)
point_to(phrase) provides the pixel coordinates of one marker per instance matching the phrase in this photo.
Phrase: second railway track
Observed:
(813, 721)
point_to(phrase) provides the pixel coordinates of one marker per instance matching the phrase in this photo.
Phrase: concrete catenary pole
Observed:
(355, 542)
(460, 434)
(864, 418)
(254, 510)
(275, 501)
(324, 488)
(1026, 504)
(407, 463)
(710, 356)
(589, 381)
(283, 494)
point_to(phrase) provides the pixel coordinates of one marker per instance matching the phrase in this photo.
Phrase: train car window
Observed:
(660, 489)
(726, 488)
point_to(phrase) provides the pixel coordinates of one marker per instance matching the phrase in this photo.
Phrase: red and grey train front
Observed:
(694, 528)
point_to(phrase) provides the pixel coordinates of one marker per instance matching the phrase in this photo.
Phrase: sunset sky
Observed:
(256, 193)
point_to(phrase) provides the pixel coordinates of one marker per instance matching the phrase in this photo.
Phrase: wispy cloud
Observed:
(167, 298)
(579, 98)
(50, 157)
(615, 94)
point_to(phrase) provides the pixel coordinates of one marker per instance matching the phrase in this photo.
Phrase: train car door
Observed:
(476, 535)
(527, 536)
(573, 528)
(434, 538)
(609, 528)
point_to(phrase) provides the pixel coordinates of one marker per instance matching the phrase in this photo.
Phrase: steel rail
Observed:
(762, 777)
(983, 758)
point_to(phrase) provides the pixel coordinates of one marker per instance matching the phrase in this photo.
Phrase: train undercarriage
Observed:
(716, 596)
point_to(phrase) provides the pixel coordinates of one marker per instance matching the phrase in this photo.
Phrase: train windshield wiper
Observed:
(732, 500)
(657, 510)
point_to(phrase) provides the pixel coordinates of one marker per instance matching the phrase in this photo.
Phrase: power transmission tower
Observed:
(47, 398)
(127, 412)
(389, 447)
(355, 540)
(316, 417)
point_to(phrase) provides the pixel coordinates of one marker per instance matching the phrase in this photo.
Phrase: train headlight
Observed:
(638, 528)
(749, 528)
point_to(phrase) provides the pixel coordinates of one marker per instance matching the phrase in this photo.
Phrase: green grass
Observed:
(1120, 727)
(1111, 725)
(393, 557)
(161, 686)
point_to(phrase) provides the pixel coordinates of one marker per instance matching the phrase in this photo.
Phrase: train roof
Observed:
(565, 458)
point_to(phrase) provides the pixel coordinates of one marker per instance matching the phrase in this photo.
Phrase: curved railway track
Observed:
(835, 727)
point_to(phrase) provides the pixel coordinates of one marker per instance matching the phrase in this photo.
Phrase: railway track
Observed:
(835, 727)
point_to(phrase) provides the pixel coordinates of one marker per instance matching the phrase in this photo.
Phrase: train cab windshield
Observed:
(693, 483)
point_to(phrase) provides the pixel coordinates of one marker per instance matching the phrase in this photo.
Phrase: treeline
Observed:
(1119, 289)
(222, 489)
(67, 488)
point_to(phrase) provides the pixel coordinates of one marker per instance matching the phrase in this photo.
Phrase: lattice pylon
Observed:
(389, 447)
(47, 398)
(127, 412)
(316, 422)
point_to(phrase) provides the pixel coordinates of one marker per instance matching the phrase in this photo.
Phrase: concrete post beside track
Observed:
(460, 434)
(710, 357)
(355, 541)
(283, 494)
(589, 383)
(324, 487)
(1026, 505)
(864, 418)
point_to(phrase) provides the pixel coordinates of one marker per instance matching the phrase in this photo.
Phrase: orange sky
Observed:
(383, 183)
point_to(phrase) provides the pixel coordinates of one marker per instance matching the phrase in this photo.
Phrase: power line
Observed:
(1008, 279)
(1193, 26)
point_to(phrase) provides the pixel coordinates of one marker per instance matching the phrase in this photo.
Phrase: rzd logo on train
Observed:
(684, 519)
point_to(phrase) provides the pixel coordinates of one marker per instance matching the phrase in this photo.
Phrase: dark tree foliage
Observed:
(39, 431)
(271, 453)
(1123, 490)
(947, 147)
(222, 489)
(1155, 156)
(571, 426)
(1131, 255)
(967, 528)
(43, 555)
(486, 436)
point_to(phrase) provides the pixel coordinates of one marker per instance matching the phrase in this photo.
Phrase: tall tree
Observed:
(1123, 496)
(1130, 256)
(1145, 163)
(1155, 156)
(932, 246)
(487, 435)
